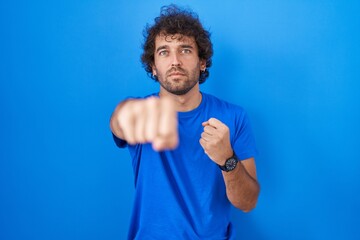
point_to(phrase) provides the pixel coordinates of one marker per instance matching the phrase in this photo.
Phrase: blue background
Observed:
(293, 65)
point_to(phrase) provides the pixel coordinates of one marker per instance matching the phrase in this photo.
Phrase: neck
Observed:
(186, 102)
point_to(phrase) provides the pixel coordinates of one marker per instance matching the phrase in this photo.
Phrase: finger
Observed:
(206, 137)
(140, 121)
(160, 144)
(215, 123)
(126, 122)
(202, 143)
(204, 146)
(210, 130)
(167, 128)
(205, 124)
(152, 116)
(168, 118)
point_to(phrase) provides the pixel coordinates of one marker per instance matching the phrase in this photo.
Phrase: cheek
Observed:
(158, 67)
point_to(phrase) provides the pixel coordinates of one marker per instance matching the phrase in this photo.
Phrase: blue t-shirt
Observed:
(180, 194)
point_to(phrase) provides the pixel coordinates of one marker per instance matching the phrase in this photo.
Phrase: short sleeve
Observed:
(244, 144)
(119, 142)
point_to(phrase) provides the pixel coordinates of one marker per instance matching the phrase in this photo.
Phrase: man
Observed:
(192, 153)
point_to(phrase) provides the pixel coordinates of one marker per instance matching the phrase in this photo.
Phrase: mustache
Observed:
(176, 69)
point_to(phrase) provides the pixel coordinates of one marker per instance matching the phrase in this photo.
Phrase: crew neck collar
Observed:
(195, 110)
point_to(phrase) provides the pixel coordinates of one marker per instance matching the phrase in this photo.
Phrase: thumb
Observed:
(206, 123)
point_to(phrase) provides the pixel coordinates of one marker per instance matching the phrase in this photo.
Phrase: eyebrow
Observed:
(186, 46)
(161, 48)
(181, 46)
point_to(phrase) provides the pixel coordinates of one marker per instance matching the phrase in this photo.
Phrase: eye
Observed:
(186, 51)
(163, 53)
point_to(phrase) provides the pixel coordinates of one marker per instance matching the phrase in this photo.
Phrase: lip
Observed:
(176, 74)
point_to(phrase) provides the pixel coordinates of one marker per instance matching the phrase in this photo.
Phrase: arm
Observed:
(150, 120)
(242, 188)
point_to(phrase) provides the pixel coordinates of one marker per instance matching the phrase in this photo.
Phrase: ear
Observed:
(202, 64)
(153, 70)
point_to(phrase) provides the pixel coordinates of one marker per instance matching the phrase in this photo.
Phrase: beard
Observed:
(179, 85)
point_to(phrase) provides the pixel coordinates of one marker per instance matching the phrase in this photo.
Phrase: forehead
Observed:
(174, 40)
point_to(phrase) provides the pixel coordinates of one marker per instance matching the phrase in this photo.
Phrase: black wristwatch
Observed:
(230, 164)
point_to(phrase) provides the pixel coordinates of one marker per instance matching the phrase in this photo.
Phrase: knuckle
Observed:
(124, 120)
(152, 102)
(138, 108)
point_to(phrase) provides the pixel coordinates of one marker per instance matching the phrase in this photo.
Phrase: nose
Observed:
(175, 61)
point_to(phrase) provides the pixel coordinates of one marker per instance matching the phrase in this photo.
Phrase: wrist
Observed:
(230, 163)
(226, 156)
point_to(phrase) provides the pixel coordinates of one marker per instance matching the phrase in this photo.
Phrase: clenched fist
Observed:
(215, 140)
(152, 120)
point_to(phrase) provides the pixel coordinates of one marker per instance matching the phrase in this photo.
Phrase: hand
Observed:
(215, 140)
(149, 120)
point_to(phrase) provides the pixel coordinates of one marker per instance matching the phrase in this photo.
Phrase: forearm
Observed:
(242, 189)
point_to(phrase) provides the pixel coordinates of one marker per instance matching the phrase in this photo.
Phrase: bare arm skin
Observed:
(242, 188)
(151, 120)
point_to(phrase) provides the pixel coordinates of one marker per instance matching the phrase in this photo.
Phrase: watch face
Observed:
(230, 164)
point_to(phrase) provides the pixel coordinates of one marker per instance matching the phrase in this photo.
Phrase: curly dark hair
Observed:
(174, 20)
